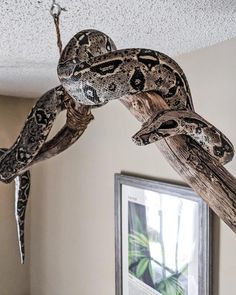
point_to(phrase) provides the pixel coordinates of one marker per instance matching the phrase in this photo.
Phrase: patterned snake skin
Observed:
(14, 160)
(33, 135)
(22, 189)
(169, 123)
(92, 72)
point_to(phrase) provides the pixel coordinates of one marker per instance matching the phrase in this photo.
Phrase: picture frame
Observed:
(163, 236)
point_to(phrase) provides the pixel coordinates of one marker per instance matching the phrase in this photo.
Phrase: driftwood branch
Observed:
(200, 170)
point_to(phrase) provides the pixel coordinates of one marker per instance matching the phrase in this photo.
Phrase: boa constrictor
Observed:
(92, 72)
(13, 162)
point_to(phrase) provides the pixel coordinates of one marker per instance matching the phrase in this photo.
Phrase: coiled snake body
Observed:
(92, 72)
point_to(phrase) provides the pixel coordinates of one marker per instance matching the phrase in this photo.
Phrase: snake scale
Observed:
(92, 72)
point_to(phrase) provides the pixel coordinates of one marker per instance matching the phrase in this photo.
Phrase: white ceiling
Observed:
(28, 52)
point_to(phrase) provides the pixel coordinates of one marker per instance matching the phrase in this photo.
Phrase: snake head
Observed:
(158, 127)
(145, 136)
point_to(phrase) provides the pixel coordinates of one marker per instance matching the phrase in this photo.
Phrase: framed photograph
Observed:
(162, 239)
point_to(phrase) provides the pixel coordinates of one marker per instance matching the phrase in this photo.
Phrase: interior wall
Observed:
(72, 213)
(14, 277)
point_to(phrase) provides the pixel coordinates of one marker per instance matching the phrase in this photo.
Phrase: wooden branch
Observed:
(201, 171)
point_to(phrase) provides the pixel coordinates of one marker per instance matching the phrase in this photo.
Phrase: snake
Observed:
(93, 72)
(171, 122)
(23, 151)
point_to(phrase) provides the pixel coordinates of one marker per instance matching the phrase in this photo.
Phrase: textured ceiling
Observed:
(28, 52)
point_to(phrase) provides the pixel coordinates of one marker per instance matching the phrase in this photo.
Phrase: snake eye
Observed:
(218, 151)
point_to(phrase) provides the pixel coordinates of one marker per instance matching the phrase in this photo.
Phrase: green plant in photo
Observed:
(140, 262)
(170, 286)
(138, 253)
(144, 267)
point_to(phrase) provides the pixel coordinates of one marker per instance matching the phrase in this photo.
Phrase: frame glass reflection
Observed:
(162, 239)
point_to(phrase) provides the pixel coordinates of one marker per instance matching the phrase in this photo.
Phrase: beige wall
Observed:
(14, 278)
(72, 215)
